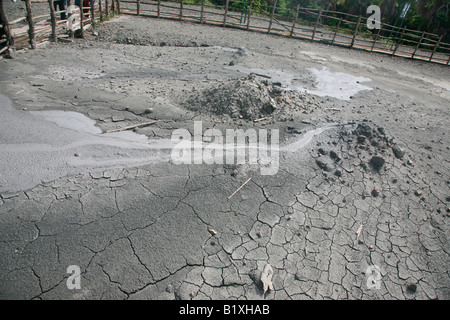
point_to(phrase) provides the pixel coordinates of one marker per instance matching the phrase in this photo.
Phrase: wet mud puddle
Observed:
(42, 146)
(319, 82)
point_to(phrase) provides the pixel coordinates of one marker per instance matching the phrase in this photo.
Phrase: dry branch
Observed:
(248, 180)
(144, 124)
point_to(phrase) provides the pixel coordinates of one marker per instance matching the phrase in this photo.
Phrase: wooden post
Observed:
(159, 8)
(11, 45)
(398, 42)
(118, 7)
(107, 8)
(271, 16)
(69, 3)
(181, 10)
(100, 9)
(81, 19)
(31, 32)
(53, 21)
(113, 7)
(92, 16)
(225, 14)
(201, 11)
(335, 32)
(315, 26)
(138, 7)
(376, 39)
(356, 32)
(249, 14)
(435, 47)
(295, 20)
(418, 44)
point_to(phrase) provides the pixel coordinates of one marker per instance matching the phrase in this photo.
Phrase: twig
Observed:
(248, 180)
(261, 119)
(144, 124)
(358, 233)
(261, 75)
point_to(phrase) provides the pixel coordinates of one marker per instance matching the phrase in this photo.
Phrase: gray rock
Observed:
(323, 165)
(377, 162)
(398, 152)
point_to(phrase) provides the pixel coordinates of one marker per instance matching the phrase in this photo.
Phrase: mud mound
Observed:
(248, 98)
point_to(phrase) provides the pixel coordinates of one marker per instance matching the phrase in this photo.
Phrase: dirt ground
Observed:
(368, 190)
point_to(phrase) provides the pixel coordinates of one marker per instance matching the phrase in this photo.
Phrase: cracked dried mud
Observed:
(370, 190)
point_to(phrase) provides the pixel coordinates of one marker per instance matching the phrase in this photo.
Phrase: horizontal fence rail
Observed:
(325, 26)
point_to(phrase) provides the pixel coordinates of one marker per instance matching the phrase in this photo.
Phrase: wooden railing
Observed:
(26, 32)
(330, 27)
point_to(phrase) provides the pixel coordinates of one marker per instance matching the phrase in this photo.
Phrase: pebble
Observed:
(377, 161)
(398, 152)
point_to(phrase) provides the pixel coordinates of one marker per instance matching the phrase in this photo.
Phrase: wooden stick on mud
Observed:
(144, 124)
(248, 180)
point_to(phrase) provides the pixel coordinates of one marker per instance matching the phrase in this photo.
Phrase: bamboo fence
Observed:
(324, 26)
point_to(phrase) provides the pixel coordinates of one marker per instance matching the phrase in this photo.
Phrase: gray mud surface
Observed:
(362, 183)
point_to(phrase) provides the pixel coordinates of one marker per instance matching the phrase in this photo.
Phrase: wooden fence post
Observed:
(81, 19)
(295, 20)
(399, 41)
(201, 11)
(225, 14)
(53, 20)
(418, 45)
(138, 7)
(113, 7)
(249, 14)
(271, 16)
(107, 8)
(435, 47)
(100, 9)
(92, 16)
(118, 7)
(181, 10)
(356, 32)
(317, 23)
(69, 3)
(159, 8)
(31, 32)
(376, 39)
(10, 39)
(336, 31)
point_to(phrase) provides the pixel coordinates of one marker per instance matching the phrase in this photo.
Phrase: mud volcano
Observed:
(249, 98)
